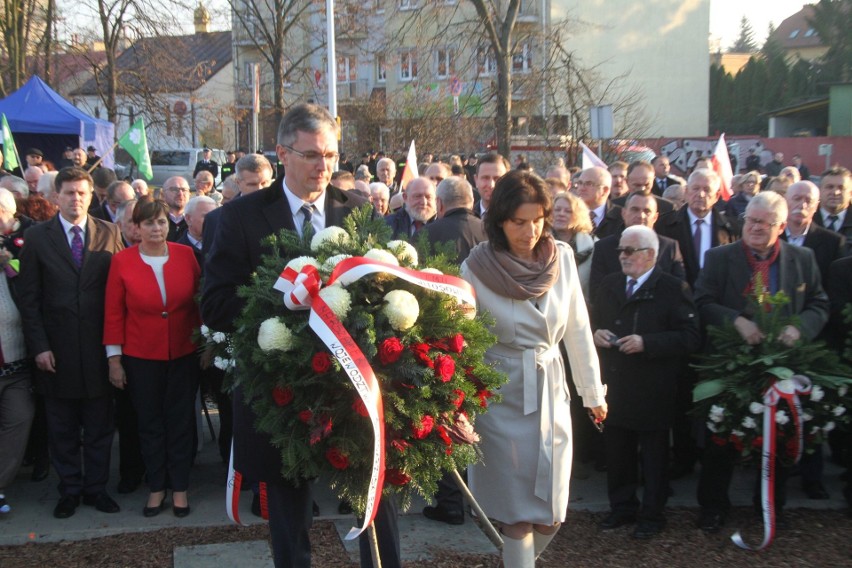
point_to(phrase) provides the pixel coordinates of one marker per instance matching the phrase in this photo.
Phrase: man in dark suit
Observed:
(64, 267)
(229, 166)
(489, 169)
(662, 179)
(840, 295)
(206, 163)
(593, 189)
(307, 146)
(640, 209)
(645, 325)
(195, 212)
(418, 209)
(721, 295)
(640, 179)
(117, 193)
(176, 194)
(835, 194)
(102, 178)
(697, 228)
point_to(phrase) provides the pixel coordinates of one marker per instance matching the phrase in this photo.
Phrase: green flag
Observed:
(136, 144)
(10, 154)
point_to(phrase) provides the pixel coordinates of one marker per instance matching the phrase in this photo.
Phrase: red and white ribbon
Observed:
(232, 493)
(789, 390)
(301, 291)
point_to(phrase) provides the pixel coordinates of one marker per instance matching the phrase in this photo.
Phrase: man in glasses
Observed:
(303, 199)
(176, 195)
(640, 179)
(419, 208)
(721, 295)
(593, 188)
(645, 325)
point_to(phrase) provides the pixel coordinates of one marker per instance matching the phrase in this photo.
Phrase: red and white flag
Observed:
(410, 171)
(722, 165)
(590, 159)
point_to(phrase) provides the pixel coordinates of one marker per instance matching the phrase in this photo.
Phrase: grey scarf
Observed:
(512, 277)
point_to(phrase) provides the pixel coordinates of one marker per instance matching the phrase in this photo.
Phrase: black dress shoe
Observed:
(316, 510)
(66, 507)
(442, 515)
(102, 502)
(154, 511)
(180, 512)
(815, 490)
(647, 529)
(40, 472)
(126, 486)
(615, 520)
(711, 522)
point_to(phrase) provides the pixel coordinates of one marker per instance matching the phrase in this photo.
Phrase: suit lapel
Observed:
(277, 210)
(335, 211)
(59, 241)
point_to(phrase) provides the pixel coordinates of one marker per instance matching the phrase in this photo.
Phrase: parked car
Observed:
(179, 162)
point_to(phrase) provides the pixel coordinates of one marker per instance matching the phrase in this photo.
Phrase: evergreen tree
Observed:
(832, 21)
(745, 42)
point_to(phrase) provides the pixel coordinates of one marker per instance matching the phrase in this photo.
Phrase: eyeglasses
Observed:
(628, 251)
(436, 179)
(178, 189)
(760, 222)
(315, 157)
(588, 183)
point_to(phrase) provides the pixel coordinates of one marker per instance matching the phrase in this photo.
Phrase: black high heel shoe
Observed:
(180, 512)
(154, 511)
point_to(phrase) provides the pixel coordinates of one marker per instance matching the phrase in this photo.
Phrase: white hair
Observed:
(193, 203)
(7, 201)
(646, 236)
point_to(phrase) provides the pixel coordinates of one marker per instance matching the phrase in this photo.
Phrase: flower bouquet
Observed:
(423, 345)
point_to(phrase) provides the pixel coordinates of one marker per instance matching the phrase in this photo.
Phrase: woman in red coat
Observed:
(150, 317)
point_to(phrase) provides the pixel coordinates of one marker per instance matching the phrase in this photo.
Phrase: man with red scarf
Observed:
(721, 295)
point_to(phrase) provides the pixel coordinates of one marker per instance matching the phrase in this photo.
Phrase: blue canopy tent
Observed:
(39, 117)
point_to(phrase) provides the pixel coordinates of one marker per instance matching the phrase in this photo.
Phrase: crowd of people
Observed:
(600, 281)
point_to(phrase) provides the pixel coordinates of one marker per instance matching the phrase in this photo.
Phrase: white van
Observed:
(180, 162)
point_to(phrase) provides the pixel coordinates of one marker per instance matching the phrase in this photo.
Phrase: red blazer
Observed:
(135, 317)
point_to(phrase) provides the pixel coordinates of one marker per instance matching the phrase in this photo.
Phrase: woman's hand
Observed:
(599, 412)
(116, 373)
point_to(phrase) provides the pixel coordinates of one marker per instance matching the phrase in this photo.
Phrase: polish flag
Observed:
(722, 165)
(590, 159)
(410, 171)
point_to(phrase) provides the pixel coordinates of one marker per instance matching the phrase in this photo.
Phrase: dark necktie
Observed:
(308, 212)
(832, 225)
(631, 286)
(77, 246)
(592, 216)
(696, 240)
(662, 183)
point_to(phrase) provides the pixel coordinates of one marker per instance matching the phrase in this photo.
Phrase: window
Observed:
(407, 4)
(485, 61)
(381, 68)
(794, 34)
(810, 32)
(445, 63)
(407, 65)
(522, 59)
(347, 70)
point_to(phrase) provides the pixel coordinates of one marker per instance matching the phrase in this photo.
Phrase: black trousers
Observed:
(211, 380)
(37, 445)
(623, 453)
(449, 496)
(290, 519)
(131, 467)
(66, 417)
(163, 394)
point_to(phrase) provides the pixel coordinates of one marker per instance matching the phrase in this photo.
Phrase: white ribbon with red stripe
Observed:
(232, 493)
(789, 390)
(301, 292)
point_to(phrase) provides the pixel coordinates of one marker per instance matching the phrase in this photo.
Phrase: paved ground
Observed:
(31, 519)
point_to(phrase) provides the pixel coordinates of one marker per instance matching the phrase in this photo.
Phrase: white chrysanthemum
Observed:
(382, 256)
(712, 427)
(749, 422)
(842, 390)
(334, 235)
(755, 408)
(404, 251)
(814, 430)
(829, 426)
(401, 309)
(781, 417)
(717, 413)
(338, 299)
(838, 410)
(737, 433)
(817, 393)
(298, 263)
(274, 335)
(223, 364)
(432, 271)
(332, 261)
(806, 417)
(205, 331)
(219, 337)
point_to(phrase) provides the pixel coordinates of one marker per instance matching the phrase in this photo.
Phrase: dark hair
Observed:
(514, 189)
(836, 171)
(639, 164)
(102, 177)
(149, 208)
(493, 158)
(72, 174)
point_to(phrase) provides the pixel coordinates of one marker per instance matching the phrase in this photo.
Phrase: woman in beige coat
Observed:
(528, 282)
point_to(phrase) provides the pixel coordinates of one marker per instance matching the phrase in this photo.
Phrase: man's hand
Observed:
(46, 362)
(599, 412)
(116, 372)
(602, 337)
(789, 336)
(631, 344)
(748, 330)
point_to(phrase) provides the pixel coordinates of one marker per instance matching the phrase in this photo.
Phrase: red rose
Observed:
(737, 442)
(282, 395)
(306, 416)
(445, 367)
(321, 362)
(425, 427)
(457, 402)
(792, 447)
(396, 477)
(456, 343)
(19, 242)
(322, 430)
(442, 432)
(390, 351)
(400, 445)
(421, 353)
(757, 442)
(336, 458)
(484, 395)
(361, 408)
(718, 440)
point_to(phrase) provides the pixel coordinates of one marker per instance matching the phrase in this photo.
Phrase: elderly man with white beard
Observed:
(419, 208)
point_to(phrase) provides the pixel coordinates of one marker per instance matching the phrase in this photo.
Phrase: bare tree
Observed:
(23, 21)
